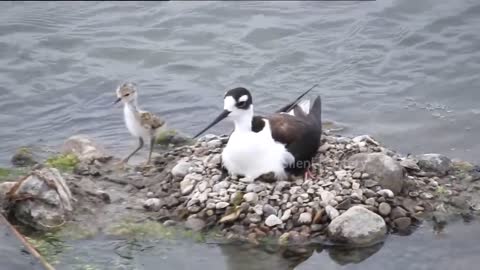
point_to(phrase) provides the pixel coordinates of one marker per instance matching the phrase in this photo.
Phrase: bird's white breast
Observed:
(253, 154)
(132, 123)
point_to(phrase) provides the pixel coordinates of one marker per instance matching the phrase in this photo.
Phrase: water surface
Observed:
(402, 71)
(405, 72)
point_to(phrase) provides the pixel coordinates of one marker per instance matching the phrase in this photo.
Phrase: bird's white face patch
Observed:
(243, 98)
(229, 104)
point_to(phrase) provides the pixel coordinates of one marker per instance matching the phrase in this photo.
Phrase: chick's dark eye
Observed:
(241, 104)
(126, 95)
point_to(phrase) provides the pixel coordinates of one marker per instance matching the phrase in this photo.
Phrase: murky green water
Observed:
(454, 248)
(404, 71)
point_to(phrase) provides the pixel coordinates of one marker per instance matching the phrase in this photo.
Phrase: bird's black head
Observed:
(237, 105)
(237, 97)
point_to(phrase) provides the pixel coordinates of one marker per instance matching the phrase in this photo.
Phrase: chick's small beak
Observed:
(116, 101)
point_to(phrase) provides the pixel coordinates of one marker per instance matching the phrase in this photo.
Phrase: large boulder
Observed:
(384, 169)
(41, 200)
(5, 187)
(435, 163)
(23, 157)
(85, 148)
(358, 227)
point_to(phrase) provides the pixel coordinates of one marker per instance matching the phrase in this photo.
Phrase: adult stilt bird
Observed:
(282, 143)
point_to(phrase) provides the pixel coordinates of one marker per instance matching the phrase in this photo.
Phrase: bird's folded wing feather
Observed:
(286, 128)
(149, 120)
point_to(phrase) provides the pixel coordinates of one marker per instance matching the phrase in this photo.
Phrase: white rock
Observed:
(358, 226)
(187, 185)
(202, 186)
(181, 169)
(286, 215)
(355, 185)
(341, 174)
(251, 197)
(222, 205)
(214, 144)
(370, 201)
(258, 209)
(272, 221)
(220, 185)
(254, 188)
(85, 148)
(365, 138)
(327, 196)
(332, 213)
(203, 197)
(210, 205)
(305, 218)
(383, 169)
(153, 204)
(387, 193)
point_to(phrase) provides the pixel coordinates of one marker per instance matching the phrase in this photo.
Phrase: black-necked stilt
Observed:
(283, 142)
(141, 124)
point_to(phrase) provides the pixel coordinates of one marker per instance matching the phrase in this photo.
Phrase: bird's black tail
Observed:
(315, 113)
(290, 106)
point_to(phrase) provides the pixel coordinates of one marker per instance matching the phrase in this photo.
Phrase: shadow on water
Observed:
(239, 258)
(455, 247)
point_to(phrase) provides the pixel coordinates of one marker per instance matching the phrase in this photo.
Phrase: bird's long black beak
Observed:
(116, 101)
(219, 118)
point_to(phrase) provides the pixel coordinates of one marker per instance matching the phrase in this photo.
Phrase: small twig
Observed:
(27, 245)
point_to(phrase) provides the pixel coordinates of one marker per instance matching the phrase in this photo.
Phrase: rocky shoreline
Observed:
(361, 192)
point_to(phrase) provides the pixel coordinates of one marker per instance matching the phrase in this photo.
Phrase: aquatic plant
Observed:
(62, 162)
(49, 245)
(11, 174)
(165, 136)
(156, 230)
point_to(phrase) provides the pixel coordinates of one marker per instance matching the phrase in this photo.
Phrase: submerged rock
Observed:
(172, 137)
(195, 224)
(23, 157)
(85, 148)
(435, 163)
(42, 200)
(358, 226)
(5, 187)
(152, 204)
(382, 168)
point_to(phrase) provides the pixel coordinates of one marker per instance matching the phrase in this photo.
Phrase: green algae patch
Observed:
(76, 232)
(155, 230)
(49, 245)
(141, 230)
(441, 191)
(65, 163)
(165, 136)
(170, 136)
(463, 166)
(11, 174)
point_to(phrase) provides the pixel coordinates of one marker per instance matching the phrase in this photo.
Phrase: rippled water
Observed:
(405, 72)
(456, 248)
